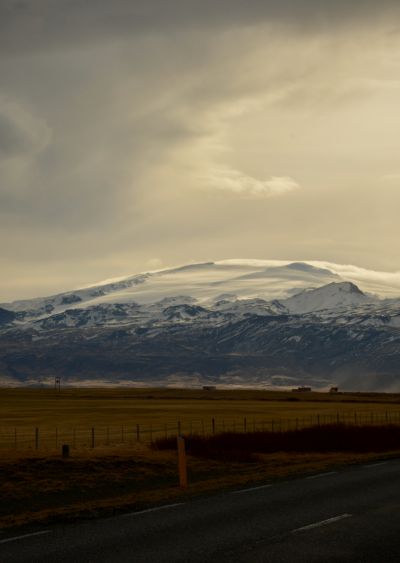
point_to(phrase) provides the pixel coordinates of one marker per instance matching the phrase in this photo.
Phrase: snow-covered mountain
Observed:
(337, 296)
(205, 282)
(248, 322)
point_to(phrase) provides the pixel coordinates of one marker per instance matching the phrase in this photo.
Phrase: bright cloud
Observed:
(240, 183)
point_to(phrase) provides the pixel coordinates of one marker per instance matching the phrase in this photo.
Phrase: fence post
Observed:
(151, 433)
(179, 427)
(108, 436)
(36, 438)
(182, 462)
(74, 438)
(65, 451)
(245, 424)
(272, 425)
(138, 432)
(56, 437)
(213, 425)
(92, 437)
(15, 438)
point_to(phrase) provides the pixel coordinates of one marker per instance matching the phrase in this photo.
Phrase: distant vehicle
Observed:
(302, 389)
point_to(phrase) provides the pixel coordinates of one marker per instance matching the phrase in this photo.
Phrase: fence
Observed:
(41, 438)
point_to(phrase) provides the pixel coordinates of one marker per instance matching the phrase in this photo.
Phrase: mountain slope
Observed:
(232, 323)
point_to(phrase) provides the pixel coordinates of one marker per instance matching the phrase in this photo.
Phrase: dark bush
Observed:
(325, 438)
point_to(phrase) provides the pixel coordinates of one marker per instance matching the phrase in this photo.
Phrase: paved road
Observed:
(350, 515)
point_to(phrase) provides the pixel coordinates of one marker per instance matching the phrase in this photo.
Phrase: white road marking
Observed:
(155, 509)
(321, 523)
(15, 538)
(318, 475)
(375, 464)
(251, 489)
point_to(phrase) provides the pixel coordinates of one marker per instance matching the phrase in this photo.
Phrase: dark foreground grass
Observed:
(324, 439)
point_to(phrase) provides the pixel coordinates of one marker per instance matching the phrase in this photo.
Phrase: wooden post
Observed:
(65, 451)
(245, 424)
(108, 436)
(74, 438)
(138, 432)
(15, 438)
(92, 437)
(56, 437)
(182, 462)
(36, 438)
(213, 425)
(179, 427)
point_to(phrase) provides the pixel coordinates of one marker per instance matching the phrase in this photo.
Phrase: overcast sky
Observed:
(141, 134)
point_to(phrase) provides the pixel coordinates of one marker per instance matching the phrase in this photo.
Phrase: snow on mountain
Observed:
(202, 282)
(205, 284)
(337, 296)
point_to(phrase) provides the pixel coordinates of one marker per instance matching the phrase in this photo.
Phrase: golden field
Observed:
(77, 406)
(68, 416)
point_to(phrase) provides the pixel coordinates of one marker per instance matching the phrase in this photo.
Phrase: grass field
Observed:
(38, 485)
(73, 406)
(114, 414)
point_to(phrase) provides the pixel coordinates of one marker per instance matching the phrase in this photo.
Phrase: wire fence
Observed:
(77, 437)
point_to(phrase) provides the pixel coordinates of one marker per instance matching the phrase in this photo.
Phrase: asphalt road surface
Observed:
(349, 515)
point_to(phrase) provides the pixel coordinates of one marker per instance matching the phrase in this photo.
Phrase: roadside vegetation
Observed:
(316, 439)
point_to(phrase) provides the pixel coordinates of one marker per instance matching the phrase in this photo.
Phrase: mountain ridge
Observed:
(200, 325)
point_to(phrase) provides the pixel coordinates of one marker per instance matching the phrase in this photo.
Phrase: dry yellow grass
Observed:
(68, 416)
(74, 406)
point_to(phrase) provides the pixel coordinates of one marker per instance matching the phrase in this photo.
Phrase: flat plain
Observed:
(126, 473)
(82, 406)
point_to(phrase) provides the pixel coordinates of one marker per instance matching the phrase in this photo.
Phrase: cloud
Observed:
(237, 182)
(36, 24)
(391, 178)
(21, 133)
(111, 111)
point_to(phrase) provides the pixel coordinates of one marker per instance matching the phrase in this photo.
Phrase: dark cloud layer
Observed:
(32, 24)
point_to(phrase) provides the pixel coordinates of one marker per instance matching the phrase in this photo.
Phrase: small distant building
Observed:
(209, 387)
(334, 390)
(302, 390)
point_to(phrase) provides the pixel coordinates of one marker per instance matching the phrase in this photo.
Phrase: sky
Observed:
(140, 135)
